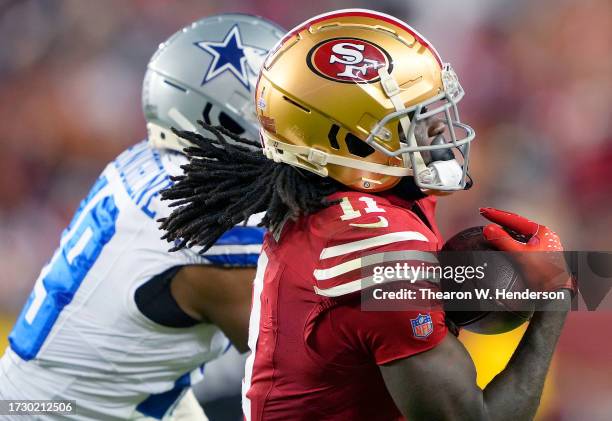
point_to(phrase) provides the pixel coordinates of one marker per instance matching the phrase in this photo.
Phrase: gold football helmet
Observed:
(341, 95)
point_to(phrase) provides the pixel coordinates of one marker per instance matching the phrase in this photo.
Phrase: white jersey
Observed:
(80, 335)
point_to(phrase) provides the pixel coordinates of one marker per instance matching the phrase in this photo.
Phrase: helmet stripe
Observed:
(362, 13)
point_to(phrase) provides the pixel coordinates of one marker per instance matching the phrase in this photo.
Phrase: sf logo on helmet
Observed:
(348, 60)
(350, 55)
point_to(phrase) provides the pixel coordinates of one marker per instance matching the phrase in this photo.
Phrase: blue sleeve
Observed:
(238, 247)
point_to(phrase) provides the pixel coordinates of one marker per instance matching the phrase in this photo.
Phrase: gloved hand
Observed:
(540, 256)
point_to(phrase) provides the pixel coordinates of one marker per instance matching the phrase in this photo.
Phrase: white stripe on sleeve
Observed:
(381, 240)
(233, 249)
(374, 259)
(363, 283)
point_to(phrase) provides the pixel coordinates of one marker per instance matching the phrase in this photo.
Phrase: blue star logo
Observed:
(231, 55)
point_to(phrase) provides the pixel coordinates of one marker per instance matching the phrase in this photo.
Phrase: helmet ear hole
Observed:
(357, 146)
(230, 124)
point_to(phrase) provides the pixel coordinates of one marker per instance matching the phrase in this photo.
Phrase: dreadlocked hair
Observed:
(225, 182)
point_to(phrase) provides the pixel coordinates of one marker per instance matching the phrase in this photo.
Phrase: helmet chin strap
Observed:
(392, 90)
(316, 160)
(163, 138)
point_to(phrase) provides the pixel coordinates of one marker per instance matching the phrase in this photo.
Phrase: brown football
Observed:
(492, 315)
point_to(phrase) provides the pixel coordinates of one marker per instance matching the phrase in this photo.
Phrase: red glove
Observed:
(545, 270)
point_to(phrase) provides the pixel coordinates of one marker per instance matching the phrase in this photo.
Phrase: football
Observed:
(490, 315)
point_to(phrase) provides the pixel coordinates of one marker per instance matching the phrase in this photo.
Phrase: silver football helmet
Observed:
(208, 71)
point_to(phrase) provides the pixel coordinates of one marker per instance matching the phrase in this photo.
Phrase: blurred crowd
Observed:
(536, 74)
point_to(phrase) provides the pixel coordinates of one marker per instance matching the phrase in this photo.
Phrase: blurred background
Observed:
(539, 94)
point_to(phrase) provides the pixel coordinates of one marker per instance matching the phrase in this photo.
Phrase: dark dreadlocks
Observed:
(226, 181)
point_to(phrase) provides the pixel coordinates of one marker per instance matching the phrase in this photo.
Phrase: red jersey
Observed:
(314, 352)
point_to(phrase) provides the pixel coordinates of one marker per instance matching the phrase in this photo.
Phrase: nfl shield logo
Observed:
(422, 326)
